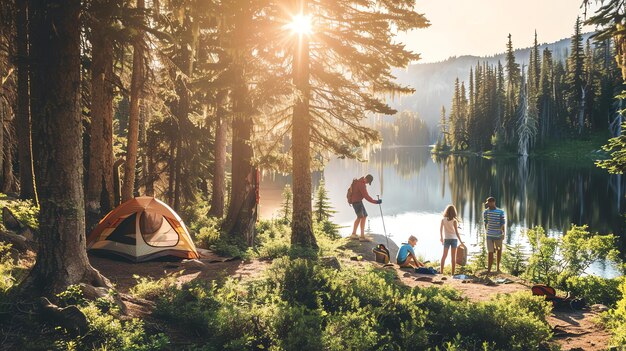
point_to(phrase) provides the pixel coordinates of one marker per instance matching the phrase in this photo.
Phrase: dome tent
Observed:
(142, 229)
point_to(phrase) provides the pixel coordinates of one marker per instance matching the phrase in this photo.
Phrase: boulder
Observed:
(93, 293)
(599, 308)
(330, 262)
(71, 318)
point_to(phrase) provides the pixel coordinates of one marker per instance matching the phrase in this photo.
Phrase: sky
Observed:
(480, 27)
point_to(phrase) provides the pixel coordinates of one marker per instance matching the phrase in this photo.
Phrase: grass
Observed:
(589, 148)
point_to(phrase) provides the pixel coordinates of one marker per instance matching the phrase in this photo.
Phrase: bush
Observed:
(7, 266)
(595, 289)
(615, 319)
(106, 331)
(554, 260)
(150, 289)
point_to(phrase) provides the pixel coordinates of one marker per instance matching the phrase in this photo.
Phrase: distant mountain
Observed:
(434, 82)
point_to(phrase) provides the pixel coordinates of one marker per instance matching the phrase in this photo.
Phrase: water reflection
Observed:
(416, 187)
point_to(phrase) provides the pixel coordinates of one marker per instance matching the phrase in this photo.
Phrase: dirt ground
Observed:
(573, 330)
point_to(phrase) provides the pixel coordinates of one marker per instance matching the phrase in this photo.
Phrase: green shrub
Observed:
(105, 330)
(553, 260)
(151, 289)
(7, 267)
(615, 319)
(595, 289)
(207, 232)
(514, 259)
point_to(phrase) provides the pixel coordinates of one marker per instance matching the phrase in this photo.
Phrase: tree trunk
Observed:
(99, 196)
(136, 87)
(55, 89)
(241, 218)
(219, 166)
(301, 224)
(23, 122)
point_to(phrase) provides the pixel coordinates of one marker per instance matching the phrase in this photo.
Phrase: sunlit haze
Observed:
(300, 24)
(480, 27)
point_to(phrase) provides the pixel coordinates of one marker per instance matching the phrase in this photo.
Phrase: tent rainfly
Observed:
(142, 229)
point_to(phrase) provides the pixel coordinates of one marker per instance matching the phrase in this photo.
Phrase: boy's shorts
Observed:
(493, 244)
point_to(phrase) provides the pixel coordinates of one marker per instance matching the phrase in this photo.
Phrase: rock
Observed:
(330, 262)
(70, 317)
(13, 224)
(193, 264)
(424, 279)
(599, 308)
(93, 293)
(444, 278)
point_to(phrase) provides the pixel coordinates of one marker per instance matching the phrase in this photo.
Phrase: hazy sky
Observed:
(480, 27)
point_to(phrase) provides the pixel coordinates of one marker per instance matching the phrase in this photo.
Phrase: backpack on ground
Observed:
(559, 302)
(381, 254)
(349, 194)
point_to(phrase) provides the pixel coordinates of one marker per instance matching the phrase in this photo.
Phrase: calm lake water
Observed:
(416, 188)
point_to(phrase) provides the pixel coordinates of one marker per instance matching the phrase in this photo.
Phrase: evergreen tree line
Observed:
(520, 108)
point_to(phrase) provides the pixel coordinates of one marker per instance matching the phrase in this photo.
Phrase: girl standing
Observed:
(449, 233)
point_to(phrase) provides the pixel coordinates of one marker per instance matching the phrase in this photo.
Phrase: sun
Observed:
(300, 24)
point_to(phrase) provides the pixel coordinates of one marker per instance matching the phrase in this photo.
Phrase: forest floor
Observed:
(573, 330)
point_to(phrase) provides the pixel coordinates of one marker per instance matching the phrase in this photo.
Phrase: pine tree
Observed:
(442, 140)
(512, 90)
(323, 207)
(546, 97)
(576, 80)
(286, 206)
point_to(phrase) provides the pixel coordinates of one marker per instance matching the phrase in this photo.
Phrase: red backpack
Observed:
(349, 194)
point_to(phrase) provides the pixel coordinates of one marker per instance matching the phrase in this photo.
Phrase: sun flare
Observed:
(300, 24)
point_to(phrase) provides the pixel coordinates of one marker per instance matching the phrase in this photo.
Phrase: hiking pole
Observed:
(380, 206)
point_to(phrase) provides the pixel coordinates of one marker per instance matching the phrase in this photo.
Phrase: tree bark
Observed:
(241, 218)
(23, 122)
(219, 166)
(55, 92)
(136, 88)
(301, 224)
(99, 196)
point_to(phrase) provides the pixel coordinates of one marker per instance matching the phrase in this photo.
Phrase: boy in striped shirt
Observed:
(495, 226)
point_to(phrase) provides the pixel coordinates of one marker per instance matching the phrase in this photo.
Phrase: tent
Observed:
(142, 229)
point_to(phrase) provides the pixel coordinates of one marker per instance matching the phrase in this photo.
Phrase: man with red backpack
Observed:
(356, 193)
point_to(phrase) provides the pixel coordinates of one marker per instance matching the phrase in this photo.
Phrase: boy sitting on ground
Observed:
(406, 256)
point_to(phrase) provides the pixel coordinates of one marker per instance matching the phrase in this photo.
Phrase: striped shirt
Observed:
(494, 221)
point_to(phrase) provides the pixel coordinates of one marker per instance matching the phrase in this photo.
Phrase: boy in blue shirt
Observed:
(495, 226)
(406, 256)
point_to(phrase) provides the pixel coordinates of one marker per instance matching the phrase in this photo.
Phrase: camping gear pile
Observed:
(558, 301)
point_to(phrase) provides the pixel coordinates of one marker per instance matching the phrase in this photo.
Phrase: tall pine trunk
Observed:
(136, 88)
(301, 224)
(23, 120)
(242, 212)
(99, 196)
(219, 166)
(55, 89)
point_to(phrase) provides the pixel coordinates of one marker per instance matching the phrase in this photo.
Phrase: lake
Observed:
(416, 188)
